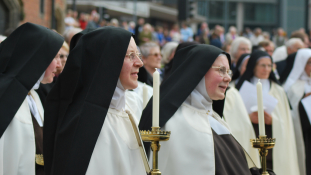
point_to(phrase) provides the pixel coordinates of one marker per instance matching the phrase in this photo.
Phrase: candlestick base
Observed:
(263, 144)
(155, 136)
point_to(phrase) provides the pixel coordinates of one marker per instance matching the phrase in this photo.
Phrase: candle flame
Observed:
(258, 80)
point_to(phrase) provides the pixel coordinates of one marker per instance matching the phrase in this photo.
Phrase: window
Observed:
(42, 7)
(254, 12)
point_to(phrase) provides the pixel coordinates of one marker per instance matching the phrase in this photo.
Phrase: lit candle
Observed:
(145, 95)
(156, 99)
(261, 118)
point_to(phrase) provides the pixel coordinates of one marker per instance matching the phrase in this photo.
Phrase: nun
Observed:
(298, 87)
(27, 57)
(240, 69)
(278, 124)
(200, 142)
(88, 130)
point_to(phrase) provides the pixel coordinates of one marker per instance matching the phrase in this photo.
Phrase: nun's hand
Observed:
(268, 118)
(307, 95)
(254, 117)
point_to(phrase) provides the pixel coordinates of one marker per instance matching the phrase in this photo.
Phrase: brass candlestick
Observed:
(155, 136)
(263, 144)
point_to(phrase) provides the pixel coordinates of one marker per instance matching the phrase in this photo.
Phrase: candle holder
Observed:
(155, 136)
(263, 144)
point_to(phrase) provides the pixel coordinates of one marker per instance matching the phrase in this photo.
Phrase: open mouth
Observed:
(223, 87)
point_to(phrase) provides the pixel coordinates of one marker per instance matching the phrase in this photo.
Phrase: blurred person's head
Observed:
(114, 22)
(232, 30)
(63, 55)
(168, 51)
(257, 31)
(75, 14)
(69, 13)
(268, 46)
(147, 28)
(151, 56)
(132, 24)
(239, 46)
(184, 25)
(159, 29)
(227, 46)
(141, 21)
(303, 36)
(293, 45)
(280, 32)
(266, 35)
(204, 25)
(70, 33)
(175, 27)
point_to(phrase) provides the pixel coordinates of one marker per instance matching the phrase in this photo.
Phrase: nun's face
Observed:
(308, 67)
(130, 68)
(51, 70)
(215, 82)
(263, 68)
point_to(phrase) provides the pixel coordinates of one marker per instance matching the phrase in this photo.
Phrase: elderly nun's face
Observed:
(263, 68)
(216, 82)
(130, 68)
(308, 67)
(51, 70)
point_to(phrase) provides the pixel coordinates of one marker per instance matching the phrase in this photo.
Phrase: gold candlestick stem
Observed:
(263, 144)
(155, 136)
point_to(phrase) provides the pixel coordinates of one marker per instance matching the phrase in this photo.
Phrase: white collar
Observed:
(265, 83)
(307, 79)
(200, 99)
(301, 60)
(36, 86)
(118, 98)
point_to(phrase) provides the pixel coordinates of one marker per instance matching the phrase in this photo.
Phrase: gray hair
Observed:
(167, 50)
(291, 42)
(236, 43)
(145, 48)
(70, 32)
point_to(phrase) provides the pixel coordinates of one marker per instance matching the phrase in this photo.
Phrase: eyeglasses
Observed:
(156, 54)
(269, 66)
(61, 56)
(132, 56)
(223, 71)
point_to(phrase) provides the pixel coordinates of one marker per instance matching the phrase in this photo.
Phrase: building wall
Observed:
(34, 14)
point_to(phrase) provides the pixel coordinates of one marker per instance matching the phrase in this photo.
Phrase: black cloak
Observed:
(236, 73)
(168, 66)
(249, 73)
(78, 103)
(191, 65)
(24, 56)
(145, 77)
(285, 67)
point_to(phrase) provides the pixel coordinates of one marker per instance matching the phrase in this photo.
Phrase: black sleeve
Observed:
(256, 171)
(305, 123)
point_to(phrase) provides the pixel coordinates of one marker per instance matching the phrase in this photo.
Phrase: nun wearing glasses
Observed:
(201, 142)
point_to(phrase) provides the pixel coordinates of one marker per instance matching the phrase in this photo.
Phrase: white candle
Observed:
(261, 118)
(156, 99)
(145, 95)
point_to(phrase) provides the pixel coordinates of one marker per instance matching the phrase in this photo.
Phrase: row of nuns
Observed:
(88, 122)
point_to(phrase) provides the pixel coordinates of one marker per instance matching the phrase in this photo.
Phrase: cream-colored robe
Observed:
(183, 154)
(116, 151)
(285, 159)
(236, 116)
(17, 144)
(134, 100)
(295, 93)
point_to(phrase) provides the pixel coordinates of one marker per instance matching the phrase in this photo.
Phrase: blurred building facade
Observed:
(15, 12)
(267, 14)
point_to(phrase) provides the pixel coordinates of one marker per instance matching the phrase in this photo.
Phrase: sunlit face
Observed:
(308, 67)
(130, 68)
(263, 68)
(50, 72)
(154, 59)
(62, 54)
(242, 49)
(269, 49)
(215, 84)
